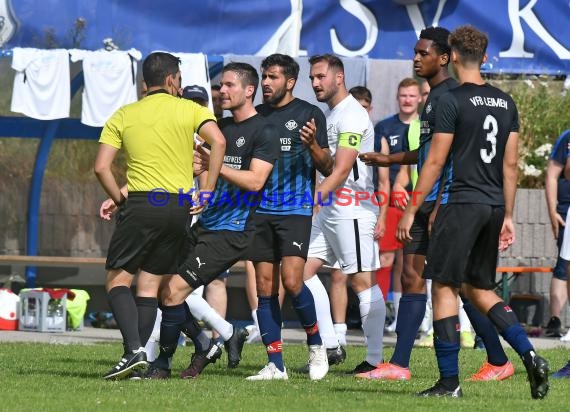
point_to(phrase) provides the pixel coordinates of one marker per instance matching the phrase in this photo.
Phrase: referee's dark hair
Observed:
(158, 66)
(246, 73)
(289, 66)
(439, 37)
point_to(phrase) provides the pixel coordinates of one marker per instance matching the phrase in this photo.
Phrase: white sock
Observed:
(204, 312)
(151, 347)
(199, 291)
(340, 330)
(323, 308)
(373, 315)
(464, 319)
(396, 296)
(254, 317)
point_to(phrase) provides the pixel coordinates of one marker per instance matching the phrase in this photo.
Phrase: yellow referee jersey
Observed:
(157, 134)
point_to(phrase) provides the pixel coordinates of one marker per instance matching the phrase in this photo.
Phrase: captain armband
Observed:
(349, 140)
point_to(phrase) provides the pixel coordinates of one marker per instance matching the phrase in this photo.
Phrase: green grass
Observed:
(68, 377)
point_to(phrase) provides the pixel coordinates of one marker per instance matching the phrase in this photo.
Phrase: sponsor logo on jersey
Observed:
(285, 144)
(291, 125)
(240, 141)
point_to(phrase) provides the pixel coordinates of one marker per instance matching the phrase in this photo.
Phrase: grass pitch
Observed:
(43, 377)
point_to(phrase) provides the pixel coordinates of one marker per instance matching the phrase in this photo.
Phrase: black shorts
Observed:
(209, 253)
(148, 237)
(278, 235)
(464, 245)
(420, 231)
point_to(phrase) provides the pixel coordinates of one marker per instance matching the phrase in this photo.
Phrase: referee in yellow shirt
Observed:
(157, 135)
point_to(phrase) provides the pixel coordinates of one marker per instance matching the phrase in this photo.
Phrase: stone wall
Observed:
(534, 246)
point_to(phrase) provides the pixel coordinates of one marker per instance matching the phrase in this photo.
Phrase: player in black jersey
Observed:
(430, 62)
(476, 131)
(225, 229)
(283, 219)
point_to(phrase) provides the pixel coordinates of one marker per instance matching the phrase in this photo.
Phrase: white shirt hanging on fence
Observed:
(41, 86)
(110, 82)
(194, 70)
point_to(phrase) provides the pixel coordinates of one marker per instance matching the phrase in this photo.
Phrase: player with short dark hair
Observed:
(476, 131)
(344, 230)
(283, 219)
(363, 95)
(157, 134)
(223, 233)
(432, 56)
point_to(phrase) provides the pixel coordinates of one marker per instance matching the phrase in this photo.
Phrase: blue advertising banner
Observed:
(526, 36)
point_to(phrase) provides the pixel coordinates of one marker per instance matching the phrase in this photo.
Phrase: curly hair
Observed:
(469, 43)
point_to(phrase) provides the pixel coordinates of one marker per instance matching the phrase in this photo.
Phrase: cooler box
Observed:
(8, 310)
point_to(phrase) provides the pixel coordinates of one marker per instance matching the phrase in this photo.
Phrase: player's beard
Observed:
(276, 97)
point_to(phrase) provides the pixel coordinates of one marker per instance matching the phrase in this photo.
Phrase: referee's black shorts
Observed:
(148, 237)
(464, 245)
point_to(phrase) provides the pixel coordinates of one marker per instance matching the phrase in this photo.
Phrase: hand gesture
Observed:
(308, 133)
(375, 159)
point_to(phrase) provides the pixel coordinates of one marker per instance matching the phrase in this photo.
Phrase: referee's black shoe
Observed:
(234, 346)
(129, 362)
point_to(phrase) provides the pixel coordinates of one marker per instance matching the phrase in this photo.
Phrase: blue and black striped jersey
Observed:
(289, 189)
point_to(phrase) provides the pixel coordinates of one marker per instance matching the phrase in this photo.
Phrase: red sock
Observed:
(383, 280)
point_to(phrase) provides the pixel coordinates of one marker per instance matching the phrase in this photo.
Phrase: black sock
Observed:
(122, 303)
(173, 317)
(450, 383)
(147, 316)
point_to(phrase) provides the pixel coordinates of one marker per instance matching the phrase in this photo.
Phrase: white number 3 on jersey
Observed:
(490, 125)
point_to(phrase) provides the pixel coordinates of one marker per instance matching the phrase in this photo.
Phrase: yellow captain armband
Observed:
(349, 140)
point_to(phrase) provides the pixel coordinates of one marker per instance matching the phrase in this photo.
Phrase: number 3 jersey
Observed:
(481, 117)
